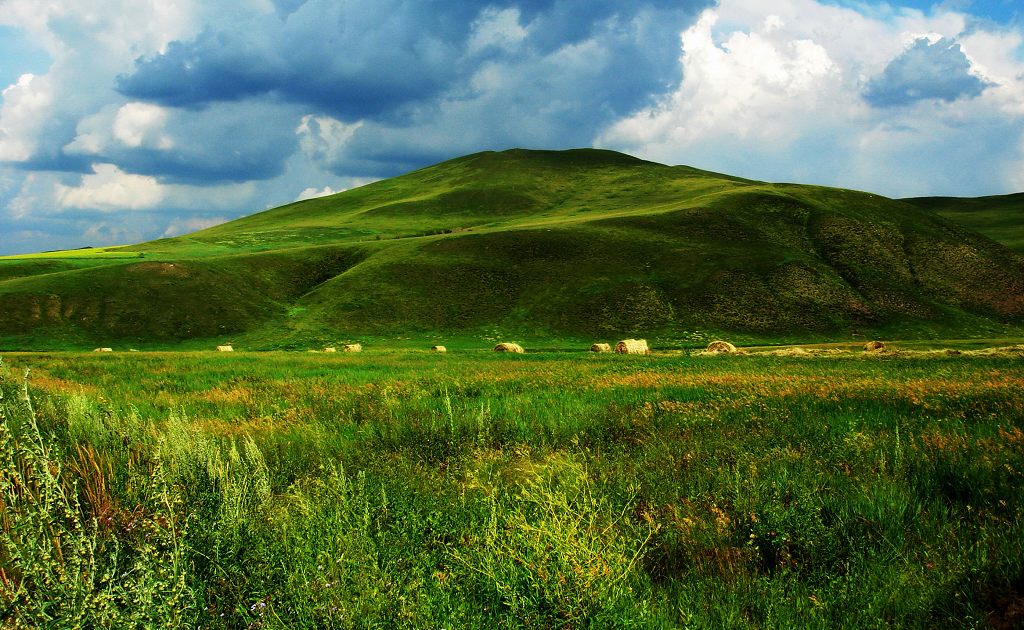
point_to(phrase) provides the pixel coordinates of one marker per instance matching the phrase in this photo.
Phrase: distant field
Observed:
(399, 488)
(87, 253)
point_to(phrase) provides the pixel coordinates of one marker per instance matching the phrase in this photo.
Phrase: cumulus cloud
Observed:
(142, 124)
(542, 95)
(498, 28)
(221, 143)
(26, 104)
(108, 188)
(927, 70)
(370, 59)
(313, 193)
(184, 225)
(430, 82)
(753, 85)
(89, 45)
(787, 90)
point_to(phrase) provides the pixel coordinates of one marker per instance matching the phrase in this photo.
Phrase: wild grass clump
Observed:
(60, 566)
(554, 553)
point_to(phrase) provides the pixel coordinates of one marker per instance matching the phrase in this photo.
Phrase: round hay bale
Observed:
(721, 347)
(632, 346)
(352, 347)
(600, 347)
(509, 347)
(225, 349)
(103, 350)
(874, 346)
(330, 349)
(438, 349)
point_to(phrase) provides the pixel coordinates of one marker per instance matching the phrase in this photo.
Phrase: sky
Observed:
(128, 120)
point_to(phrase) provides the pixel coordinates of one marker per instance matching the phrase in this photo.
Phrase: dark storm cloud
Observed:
(372, 58)
(924, 71)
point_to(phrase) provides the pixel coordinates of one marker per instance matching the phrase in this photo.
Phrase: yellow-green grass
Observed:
(409, 489)
(86, 253)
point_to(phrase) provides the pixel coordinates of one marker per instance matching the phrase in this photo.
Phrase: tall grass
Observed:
(63, 567)
(545, 491)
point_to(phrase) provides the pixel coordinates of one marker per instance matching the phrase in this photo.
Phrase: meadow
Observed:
(400, 488)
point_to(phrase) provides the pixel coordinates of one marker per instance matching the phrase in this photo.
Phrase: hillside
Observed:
(573, 244)
(1000, 217)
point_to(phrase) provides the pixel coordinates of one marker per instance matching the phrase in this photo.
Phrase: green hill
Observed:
(572, 244)
(1000, 217)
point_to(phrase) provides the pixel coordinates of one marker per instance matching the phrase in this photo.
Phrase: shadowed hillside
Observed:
(577, 243)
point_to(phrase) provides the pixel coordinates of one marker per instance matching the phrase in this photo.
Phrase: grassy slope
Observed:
(999, 217)
(572, 244)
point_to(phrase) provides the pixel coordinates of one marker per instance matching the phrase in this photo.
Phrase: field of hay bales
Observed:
(810, 489)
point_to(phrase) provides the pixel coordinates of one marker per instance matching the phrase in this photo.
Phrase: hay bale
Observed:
(874, 346)
(103, 350)
(330, 349)
(721, 347)
(509, 347)
(438, 349)
(600, 347)
(352, 347)
(225, 349)
(632, 346)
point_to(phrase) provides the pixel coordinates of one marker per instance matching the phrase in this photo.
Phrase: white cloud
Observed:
(775, 90)
(499, 28)
(123, 29)
(186, 225)
(313, 193)
(141, 124)
(995, 57)
(26, 105)
(323, 139)
(132, 125)
(90, 44)
(753, 86)
(27, 197)
(108, 188)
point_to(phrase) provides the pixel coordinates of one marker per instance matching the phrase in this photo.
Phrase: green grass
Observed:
(1001, 218)
(552, 489)
(567, 245)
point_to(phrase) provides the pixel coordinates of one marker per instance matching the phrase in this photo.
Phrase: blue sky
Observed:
(126, 120)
